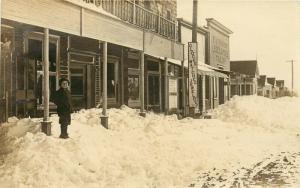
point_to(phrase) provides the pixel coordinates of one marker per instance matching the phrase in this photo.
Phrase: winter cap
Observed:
(63, 79)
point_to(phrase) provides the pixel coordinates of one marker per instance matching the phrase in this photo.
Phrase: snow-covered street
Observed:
(250, 142)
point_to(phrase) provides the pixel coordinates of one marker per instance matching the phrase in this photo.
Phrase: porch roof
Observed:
(203, 69)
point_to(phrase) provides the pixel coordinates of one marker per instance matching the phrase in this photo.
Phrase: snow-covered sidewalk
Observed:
(157, 151)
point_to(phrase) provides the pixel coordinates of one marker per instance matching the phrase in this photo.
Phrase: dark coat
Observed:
(62, 99)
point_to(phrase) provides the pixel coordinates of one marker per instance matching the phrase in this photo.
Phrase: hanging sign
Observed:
(193, 67)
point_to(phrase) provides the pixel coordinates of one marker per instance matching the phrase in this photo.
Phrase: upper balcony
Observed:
(129, 11)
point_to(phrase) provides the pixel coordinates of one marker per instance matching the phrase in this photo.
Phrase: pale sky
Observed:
(268, 30)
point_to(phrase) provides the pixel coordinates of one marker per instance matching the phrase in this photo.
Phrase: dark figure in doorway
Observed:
(62, 98)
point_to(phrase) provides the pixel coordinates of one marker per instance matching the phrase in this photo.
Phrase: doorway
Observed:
(112, 82)
(153, 84)
(78, 86)
(221, 91)
(153, 92)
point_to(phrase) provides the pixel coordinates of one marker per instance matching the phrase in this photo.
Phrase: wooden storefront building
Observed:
(244, 77)
(119, 49)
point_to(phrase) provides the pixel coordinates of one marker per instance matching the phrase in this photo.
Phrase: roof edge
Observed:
(190, 25)
(213, 22)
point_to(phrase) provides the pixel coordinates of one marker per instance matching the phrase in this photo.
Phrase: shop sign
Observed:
(219, 50)
(193, 66)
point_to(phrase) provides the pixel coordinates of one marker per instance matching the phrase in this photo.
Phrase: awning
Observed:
(170, 60)
(222, 72)
(205, 69)
(174, 61)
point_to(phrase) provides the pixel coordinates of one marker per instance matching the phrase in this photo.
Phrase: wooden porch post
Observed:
(142, 77)
(183, 89)
(203, 94)
(46, 124)
(104, 117)
(241, 93)
(245, 88)
(166, 86)
(229, 88)
(211, 85)
(142, 84)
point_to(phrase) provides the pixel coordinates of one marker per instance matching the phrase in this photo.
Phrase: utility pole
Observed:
(292, 62)
(194, 68)
(195, 14)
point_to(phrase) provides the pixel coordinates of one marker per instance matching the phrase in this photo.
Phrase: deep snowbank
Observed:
(282, 113)
(156, 151)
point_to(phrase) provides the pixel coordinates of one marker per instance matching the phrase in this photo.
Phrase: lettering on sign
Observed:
(220, 49)
(193, 67)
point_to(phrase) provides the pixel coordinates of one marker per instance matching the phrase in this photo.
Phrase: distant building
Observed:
(280, 83)
(261, 82)
(271, 88)
(283, 91)
(244, 77)
(274, 88)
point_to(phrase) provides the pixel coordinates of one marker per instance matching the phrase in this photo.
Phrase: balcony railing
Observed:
(130, 12)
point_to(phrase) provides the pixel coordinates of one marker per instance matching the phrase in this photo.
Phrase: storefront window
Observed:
(133, 87)
(6, 58)
(77, 82)
(133, 79)
(171, 70)
(174, 70)
(153, 66)
(35, 70)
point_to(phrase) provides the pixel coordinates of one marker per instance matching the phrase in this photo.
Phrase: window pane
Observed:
(6, 60)
(31, 74)
(77, 85)
(133, 87)
(52, 85)
(153, 89)
(111, 82)
(152, 66)
(52, 57)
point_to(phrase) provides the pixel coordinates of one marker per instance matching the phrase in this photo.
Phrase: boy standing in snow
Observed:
(62, 99)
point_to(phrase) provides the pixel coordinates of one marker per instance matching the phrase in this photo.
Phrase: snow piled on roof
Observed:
(157, 151)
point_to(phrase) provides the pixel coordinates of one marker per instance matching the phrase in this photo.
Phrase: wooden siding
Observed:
(73, 19)
(52, 14)
(111, 30)
(159, 46)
